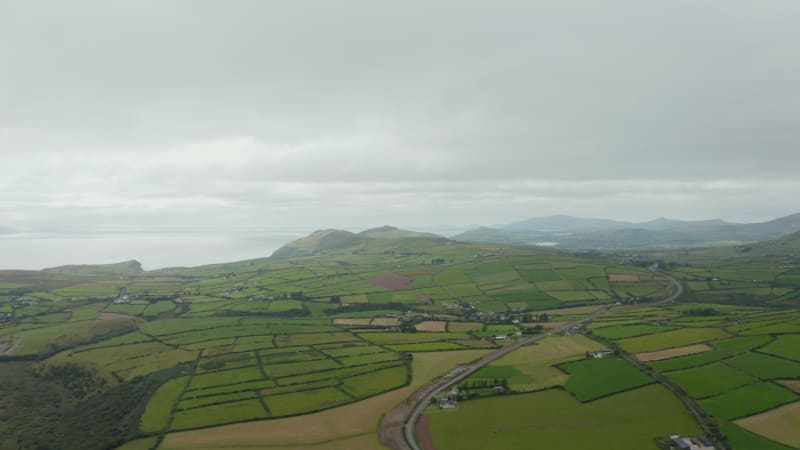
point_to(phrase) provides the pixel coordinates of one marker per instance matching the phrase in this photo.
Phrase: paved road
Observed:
(397, 426)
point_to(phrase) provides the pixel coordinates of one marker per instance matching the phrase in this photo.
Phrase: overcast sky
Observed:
(246, 115)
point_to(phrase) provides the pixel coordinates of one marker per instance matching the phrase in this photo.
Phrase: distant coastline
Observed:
(156, 250)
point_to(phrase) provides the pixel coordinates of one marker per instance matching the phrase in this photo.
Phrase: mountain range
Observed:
(590, 233)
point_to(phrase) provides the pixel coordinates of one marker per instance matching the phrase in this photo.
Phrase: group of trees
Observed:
(472, 388)
(81, 382)
(700, 312)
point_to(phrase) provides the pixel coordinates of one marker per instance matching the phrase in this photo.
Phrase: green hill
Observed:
(318, 241)
(382, 239)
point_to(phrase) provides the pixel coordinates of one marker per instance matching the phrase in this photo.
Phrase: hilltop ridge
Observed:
(333, 239)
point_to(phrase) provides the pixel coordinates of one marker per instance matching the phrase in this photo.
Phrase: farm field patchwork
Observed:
(671, 339)
(722, 349)
(270, 338)
(325, 427)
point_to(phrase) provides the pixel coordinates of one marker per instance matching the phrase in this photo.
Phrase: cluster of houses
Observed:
(690, 443)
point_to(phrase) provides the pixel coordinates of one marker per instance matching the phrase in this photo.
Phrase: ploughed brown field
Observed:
(392, 282)
(351, 322)
(622, 277)
(385, 322)
(673, 352)
(423, 434)
(435, 326)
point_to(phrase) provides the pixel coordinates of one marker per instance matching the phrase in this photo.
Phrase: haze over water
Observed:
(35, 251)
(155, 250)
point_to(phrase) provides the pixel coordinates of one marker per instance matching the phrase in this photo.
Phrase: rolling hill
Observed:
(386, 238)
(318, 241)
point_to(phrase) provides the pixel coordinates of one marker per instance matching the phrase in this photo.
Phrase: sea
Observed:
(155, 250)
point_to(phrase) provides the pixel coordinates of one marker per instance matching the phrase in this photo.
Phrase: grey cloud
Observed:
(166, 114)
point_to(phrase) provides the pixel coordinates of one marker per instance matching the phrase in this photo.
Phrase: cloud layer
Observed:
(208, 115)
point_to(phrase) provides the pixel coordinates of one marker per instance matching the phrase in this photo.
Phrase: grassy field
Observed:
(537, 362)
(722, 349)
(554, 419)
(709, 380)
(787, 346)
(594, 378)
(748, 400)
(218, 414)
(159, 409)
(626, 331)
(426, 346)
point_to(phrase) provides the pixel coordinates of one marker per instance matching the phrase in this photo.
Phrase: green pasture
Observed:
(554, 419)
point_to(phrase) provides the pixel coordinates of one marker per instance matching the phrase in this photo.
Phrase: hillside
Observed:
(788, 245)
(386, 238)
(318, 241)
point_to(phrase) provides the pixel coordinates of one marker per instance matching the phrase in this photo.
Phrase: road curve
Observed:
(397, 426)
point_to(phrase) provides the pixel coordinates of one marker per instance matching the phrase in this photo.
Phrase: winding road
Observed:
(397, 426)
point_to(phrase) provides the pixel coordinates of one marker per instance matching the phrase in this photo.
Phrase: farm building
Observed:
(601, 353)
(447, 399)
(688, 443)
